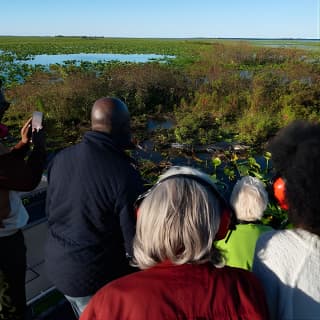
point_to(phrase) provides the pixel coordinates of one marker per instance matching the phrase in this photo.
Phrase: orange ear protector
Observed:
(279, 190)
(226, 216)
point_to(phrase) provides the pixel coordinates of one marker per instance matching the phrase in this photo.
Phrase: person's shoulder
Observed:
(114, 298)
(235, 271)
(276, 236)
(274, 245)
(260, 226)
(268, 235)
(267, 239)
(126, 172)
(236, 276)
(65, 152)
(126, 284)
(260, 229)
(60, 158)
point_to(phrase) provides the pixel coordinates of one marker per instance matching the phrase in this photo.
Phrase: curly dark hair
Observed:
(296, 157)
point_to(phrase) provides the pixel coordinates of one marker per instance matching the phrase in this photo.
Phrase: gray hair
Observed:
(249, 199)
(178, 221)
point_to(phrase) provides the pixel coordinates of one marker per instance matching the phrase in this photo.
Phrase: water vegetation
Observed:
(213, 91)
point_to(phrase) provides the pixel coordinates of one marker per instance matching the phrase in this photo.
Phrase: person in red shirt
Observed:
(19, 171)
(182, 275)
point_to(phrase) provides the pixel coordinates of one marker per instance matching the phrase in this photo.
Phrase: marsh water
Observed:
(47, 59)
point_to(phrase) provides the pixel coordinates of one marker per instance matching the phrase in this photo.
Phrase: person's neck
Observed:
(249, 222)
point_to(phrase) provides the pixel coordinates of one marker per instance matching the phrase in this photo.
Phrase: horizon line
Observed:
(195, 37)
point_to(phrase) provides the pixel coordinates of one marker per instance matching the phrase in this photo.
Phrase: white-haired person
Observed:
(182, 273)
(249, 200)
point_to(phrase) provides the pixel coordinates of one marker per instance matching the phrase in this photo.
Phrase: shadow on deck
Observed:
(43, 300)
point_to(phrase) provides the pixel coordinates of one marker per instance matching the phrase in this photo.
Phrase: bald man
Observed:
(91, 190)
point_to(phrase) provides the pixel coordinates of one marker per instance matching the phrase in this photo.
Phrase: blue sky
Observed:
(162, 18)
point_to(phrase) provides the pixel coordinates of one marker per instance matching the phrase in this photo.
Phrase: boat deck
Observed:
(43, 300)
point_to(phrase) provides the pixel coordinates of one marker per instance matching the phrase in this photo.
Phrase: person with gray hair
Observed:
(182, 274)
(249, 200)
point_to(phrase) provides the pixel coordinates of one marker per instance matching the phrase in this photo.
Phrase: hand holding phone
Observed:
(36, 123)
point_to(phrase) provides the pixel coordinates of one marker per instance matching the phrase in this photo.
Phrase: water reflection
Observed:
(77, 58)
(153, 125)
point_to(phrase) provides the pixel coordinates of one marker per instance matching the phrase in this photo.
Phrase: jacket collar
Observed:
(101, 139)
(168, 263)
(120, 142)
(104, 141)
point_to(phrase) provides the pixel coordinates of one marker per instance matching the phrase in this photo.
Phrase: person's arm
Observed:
(133, 188)
(15, 172)
(4, 206)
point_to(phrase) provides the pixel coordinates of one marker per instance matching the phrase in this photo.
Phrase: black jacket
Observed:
(91, 191)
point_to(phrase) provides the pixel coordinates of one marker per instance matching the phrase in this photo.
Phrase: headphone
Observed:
(226, 218)
(279, 191)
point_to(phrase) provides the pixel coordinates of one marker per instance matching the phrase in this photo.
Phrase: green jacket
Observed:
(239, 249)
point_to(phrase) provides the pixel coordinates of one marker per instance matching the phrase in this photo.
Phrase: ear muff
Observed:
(225, 223)
(279, 190)
(226, 215)
(140, 198)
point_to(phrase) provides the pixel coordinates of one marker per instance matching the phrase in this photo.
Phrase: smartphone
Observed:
(36, 123)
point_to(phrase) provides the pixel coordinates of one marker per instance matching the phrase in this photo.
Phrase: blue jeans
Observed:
(78, 304)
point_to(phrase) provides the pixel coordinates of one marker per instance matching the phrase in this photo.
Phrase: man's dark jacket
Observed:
(91, 191)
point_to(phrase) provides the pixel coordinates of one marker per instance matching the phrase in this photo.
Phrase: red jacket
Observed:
(188, 291)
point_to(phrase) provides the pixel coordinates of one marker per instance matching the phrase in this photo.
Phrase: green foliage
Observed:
(146, 88)
(26, 46)
(235, 168)
(214, 90)
(256, 128)
(196, 128)
(65, 96)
